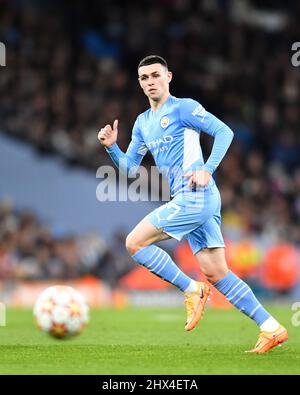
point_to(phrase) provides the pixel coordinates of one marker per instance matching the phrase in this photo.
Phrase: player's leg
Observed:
(140, 245)
(143, 235)
(208, 245)
(213, 264)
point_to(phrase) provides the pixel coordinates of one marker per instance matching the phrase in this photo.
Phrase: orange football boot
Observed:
(267, 340)
(195, 302)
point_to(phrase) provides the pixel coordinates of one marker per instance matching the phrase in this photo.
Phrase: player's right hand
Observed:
(108, 135)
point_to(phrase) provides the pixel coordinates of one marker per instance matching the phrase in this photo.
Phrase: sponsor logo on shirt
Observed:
(160, 144)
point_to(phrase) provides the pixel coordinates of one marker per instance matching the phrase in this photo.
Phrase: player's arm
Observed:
(194, 116)
(126, 162)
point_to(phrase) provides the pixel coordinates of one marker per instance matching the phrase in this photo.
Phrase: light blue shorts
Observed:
(198, 220)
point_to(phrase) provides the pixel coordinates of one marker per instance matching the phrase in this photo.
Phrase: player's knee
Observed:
(213, 265)
(132, 245)
(213, 271)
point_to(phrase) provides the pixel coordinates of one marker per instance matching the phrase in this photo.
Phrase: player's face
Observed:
(154, 80)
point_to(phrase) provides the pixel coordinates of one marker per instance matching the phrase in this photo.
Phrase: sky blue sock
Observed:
(160, 263)
(241, 296)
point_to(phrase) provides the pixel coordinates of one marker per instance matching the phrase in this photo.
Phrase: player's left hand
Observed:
(198, 178)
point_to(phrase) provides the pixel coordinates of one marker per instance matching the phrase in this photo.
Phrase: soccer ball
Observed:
(61, 311)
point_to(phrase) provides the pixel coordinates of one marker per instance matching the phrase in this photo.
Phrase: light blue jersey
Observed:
(171, 134)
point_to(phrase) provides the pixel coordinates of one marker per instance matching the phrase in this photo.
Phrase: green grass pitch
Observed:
(147, 341)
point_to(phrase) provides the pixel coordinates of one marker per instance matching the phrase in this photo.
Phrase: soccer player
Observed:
(170, 130)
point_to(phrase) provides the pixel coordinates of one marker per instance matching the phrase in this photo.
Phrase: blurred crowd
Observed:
(71, 69)
(30, 251)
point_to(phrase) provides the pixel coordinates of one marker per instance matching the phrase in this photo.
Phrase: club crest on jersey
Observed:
(164, 122)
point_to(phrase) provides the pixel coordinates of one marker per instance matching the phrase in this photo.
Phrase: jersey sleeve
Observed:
(194, 116)
(129, 162)
(137, 148)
